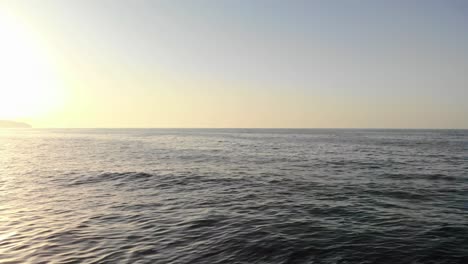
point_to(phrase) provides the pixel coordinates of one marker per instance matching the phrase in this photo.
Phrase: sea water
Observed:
(233, 196)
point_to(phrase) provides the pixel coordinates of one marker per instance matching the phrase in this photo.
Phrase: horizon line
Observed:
(255, 128)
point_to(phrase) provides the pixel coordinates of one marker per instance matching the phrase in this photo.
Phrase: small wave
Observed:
(112, 176)
(406, 194)
(415, 176)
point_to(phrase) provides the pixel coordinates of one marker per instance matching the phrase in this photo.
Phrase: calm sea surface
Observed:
(233, 196)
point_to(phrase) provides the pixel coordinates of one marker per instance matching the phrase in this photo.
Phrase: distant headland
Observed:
(13, 124)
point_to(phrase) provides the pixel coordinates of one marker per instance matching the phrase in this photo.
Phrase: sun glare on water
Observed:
(28, 84)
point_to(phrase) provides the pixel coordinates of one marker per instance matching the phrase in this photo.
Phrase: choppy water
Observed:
(233, 196)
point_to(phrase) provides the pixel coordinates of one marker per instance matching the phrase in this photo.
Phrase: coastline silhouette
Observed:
(13, 124)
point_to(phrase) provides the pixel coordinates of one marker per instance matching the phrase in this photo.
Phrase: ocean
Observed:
(233, 196)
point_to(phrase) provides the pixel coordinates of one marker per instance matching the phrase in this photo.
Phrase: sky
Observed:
(237, 63)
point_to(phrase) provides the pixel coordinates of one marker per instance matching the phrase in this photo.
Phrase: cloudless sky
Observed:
(264, 63)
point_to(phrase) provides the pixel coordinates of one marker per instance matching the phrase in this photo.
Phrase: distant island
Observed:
(13, 124)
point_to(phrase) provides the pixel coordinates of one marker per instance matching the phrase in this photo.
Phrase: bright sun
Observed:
(28, 84)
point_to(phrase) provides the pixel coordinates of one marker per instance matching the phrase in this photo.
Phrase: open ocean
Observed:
(233, 196)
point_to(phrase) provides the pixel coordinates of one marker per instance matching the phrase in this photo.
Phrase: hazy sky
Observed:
(238, 63)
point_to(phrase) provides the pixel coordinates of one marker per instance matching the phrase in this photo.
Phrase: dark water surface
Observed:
(233, 196)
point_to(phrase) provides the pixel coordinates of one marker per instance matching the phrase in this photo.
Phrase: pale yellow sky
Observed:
(180, 64)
